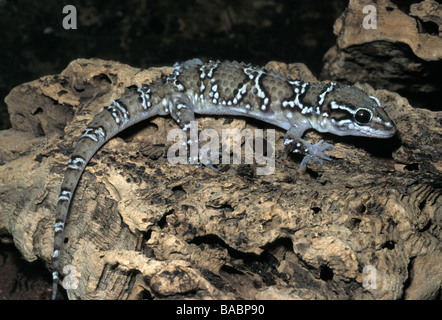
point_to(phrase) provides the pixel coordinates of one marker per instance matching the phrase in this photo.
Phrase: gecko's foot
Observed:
(315, 152)
(209, 165)
(207, 157)
(204, 158)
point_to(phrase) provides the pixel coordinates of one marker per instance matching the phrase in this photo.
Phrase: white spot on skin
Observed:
(307, 110)
(89, 133)
(298, 103)
(58, 226)
(304, 85)
(295, 82)
(122, 109)
(65, 195)
(76, 163)
(100, 131)
(143, 97)
(334, 105)
(115, 116)
(376, 100)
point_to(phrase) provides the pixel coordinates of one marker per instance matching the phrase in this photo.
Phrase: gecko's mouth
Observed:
(376, 133)
(366, 131)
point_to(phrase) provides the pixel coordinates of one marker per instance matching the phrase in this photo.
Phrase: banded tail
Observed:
(136, 105)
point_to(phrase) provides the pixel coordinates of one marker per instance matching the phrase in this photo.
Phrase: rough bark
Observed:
(140, 227)
(402, 53)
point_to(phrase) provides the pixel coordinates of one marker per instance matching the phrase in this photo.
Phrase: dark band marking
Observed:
(65, 195)
(76, 163)
(118, 111)
(94, 134)
(328, 88)
(59, 226)
(144, 97)
(297, 98)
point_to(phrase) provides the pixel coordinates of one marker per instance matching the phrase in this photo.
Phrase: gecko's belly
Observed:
(273, 118)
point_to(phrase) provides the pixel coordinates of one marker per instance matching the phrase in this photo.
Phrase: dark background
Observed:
(147, 33)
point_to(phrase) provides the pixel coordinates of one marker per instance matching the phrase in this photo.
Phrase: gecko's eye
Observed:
(363, 116)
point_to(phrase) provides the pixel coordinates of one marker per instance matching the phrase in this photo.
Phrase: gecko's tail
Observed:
(96, 134)
(75, 168)
(113, 119)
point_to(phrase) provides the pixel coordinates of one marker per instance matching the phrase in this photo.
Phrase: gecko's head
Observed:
(348, 110)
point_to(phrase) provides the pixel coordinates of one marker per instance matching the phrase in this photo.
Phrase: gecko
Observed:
(227, 89)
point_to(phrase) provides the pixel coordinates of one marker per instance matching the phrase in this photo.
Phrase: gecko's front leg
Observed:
(294, 143)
